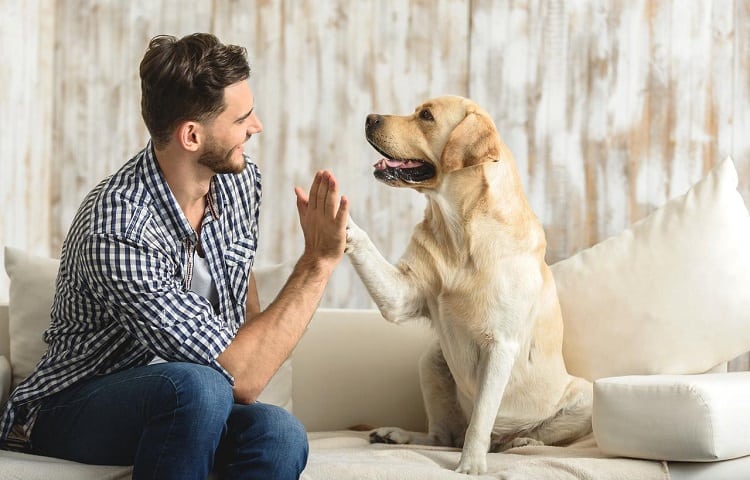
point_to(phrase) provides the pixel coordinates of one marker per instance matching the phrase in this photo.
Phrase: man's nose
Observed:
(255, 125)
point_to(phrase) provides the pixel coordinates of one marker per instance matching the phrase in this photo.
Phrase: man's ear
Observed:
(189, 135)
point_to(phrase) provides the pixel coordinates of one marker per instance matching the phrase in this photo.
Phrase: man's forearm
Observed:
(266, 340)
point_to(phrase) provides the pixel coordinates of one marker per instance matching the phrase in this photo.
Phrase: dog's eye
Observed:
(426, 115)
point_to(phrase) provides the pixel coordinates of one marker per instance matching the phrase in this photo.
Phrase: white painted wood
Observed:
(26, 63)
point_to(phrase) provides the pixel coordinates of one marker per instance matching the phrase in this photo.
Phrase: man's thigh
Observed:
(102, 420)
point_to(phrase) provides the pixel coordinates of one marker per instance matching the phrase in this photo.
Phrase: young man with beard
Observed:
(157, 345)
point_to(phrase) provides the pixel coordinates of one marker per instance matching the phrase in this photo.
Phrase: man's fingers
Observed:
(302, 201)
(323, 187)
(314, 190)
(332, 197)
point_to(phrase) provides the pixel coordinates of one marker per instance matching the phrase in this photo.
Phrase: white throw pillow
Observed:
(32, 288)
(268, 280)
(689, 418)
(671, 294)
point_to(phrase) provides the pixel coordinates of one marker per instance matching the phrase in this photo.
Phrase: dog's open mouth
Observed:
(409, 171)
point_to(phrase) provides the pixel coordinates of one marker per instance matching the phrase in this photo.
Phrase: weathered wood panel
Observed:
(96, 90)
(320, 68)
(611, 107)
(26, 63)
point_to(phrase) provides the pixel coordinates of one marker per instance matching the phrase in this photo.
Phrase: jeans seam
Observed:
(171, 426)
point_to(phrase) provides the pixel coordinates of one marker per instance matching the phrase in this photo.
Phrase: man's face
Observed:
(228, 132)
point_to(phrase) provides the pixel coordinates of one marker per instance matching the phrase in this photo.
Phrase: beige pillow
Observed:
(269, 279)
(32, 288)
(687, 418)
(669, 295)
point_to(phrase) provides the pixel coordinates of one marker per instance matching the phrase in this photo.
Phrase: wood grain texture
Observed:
(26, 63)
(610, 107)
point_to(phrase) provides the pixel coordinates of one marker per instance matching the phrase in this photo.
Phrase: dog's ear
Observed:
(473, 141)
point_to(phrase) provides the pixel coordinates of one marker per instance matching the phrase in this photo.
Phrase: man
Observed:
(157, 346)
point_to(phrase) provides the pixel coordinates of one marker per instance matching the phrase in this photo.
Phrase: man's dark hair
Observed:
(185, 79)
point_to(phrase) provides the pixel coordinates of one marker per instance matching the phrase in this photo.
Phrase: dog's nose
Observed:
(372, 121)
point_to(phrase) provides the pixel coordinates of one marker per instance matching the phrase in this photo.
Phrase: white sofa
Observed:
(645, 312)
(352, 367)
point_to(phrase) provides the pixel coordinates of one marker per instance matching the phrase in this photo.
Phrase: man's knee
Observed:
(270, 429)
(271, 419)
(197, 390)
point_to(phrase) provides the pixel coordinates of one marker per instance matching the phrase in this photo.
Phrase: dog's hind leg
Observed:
(569, 423)
(573, 420)
(446, 421)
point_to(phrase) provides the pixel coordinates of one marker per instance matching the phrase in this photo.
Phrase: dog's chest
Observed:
(477, 304)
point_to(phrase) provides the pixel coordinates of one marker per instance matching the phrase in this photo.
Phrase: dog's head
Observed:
(443, 135)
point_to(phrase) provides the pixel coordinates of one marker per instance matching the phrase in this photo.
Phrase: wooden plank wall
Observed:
(610, 106)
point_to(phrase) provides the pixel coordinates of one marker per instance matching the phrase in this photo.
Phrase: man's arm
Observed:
(266, 340)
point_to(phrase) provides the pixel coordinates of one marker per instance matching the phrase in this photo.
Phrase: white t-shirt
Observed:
(203, 284)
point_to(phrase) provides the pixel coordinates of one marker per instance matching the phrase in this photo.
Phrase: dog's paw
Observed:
(515, 443)
(472, 464)
(354, 235)
(392, 435)
(524, 442)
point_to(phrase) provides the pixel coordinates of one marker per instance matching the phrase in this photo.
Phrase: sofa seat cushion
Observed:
(14, 465)
(346, 455)
(691, 418)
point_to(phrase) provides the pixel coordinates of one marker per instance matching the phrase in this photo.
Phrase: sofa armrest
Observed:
(353, 367)
(5, 371)
(4, 331)
(5, 379)
(685, 418)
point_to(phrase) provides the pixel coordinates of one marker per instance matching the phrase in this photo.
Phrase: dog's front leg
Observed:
(495, 363)
(389, 287)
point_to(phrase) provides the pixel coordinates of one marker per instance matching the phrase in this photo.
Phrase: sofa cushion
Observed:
(671, 294)
(32, 288)
(269, 279)
(694, 418)
(17, 466)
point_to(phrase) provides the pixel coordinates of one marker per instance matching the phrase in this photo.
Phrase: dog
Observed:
(475, 269)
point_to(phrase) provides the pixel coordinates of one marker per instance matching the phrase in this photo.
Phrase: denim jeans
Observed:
(170, 421)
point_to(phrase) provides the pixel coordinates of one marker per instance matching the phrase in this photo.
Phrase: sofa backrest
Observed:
(353, 367)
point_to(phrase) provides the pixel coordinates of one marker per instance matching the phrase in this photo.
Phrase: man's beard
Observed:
(218, 160)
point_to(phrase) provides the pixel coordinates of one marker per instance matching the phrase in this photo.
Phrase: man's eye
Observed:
(426, 115)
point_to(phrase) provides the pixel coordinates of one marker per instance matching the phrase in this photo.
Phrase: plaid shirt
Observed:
(123, 290)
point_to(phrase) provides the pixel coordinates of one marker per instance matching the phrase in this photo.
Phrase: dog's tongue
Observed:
(384, 163)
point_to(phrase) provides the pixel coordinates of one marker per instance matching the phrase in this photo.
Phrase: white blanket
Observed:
(349, 455)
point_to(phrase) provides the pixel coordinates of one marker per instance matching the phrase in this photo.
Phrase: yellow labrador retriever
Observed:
(475, 269)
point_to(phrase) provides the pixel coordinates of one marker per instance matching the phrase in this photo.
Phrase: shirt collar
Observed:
(213, 198)
(167, 207)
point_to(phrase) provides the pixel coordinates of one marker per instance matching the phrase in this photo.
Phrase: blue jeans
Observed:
(170, 421)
